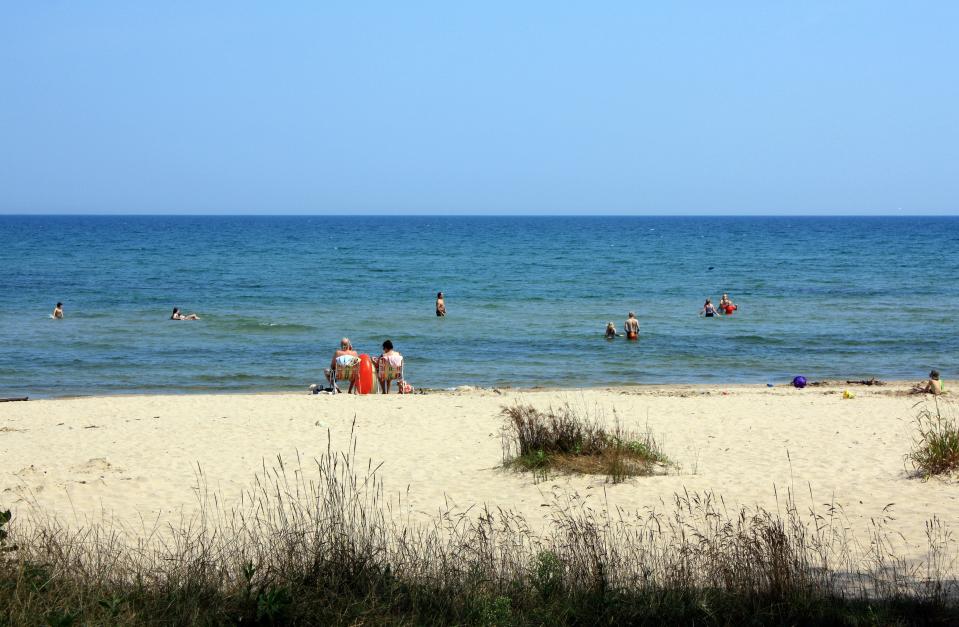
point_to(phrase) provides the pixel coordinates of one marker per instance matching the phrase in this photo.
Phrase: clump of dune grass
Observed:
(562, 440)
(935, 449)
(319, 542)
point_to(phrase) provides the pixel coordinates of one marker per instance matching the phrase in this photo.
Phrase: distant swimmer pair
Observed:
(631, 327)
(726, 307)
(58, 314)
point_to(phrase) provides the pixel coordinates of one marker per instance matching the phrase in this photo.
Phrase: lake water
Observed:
(528, 299)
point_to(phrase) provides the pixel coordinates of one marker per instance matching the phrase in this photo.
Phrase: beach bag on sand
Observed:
(799, 382)
(403, 387)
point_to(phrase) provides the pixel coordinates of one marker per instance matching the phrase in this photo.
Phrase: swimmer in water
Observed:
(631, 327)
(727, 306)
(440, 305)
(610, 330)
(179, 316)
(57, 312)
(709, 310)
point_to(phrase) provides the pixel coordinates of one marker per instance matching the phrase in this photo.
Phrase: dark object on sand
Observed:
(17, 398)
(799, 382)
(873, 381)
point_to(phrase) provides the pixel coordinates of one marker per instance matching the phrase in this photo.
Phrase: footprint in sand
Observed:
(30, 471)
(96, 466)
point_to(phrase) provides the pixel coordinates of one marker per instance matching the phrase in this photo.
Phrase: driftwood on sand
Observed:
(873, 381)
(11, 400)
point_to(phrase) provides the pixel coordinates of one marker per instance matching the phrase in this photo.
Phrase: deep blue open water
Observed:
(528, 298)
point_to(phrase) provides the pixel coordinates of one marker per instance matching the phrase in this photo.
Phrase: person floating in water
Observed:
(727, 306)
(179, 316)
(57, 312)
(610, 330)
(631, 327)
(709, 310)
(440, 305)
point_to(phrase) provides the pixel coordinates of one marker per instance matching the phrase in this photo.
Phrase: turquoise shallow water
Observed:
(528, 299)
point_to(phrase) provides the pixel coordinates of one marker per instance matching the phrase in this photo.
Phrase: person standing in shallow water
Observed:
(631, 327)
(57, 312)
(440, 305)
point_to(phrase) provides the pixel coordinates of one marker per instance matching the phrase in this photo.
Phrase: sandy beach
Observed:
(136, 460)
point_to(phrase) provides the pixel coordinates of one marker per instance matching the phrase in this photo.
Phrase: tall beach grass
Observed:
(566, 441)
(935, 449)
(319, 542)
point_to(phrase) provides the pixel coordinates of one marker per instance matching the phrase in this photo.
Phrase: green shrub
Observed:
(562, 440)
(935, 448)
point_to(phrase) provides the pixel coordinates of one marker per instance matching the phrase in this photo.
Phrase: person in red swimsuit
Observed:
(632, 327)
(727, 306)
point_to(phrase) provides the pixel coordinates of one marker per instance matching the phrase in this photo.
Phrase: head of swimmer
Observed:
(387, 346)
(345, 344)
(632, 314)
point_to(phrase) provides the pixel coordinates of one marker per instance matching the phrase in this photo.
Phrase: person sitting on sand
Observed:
(932, 386)
(610, 330)
(709, 310)
(631, 327)
(344, 356)
(440, 305)
(57, 312)
(727, 306)
(389, 366)
(179, 316)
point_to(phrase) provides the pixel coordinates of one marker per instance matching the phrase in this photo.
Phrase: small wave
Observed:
(757, 339)
(254, 325)
(236, 377)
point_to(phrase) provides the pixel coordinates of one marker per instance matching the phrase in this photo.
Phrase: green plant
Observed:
(113, 605)
(5, 518)
(57, 618)
(547, 574)
(497, 612)
(935, 448)
(272, 604)
(563, 440)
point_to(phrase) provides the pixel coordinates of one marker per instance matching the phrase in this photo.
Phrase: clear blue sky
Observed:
(496, 107)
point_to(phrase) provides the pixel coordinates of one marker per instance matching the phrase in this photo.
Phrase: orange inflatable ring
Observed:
(364, 381)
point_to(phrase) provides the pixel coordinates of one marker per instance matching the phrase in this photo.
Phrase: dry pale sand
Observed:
(135, 458)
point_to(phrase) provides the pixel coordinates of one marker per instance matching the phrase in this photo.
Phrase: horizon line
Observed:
(484, 215)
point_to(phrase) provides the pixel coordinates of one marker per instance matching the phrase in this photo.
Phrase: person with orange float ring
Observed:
(727, 306)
